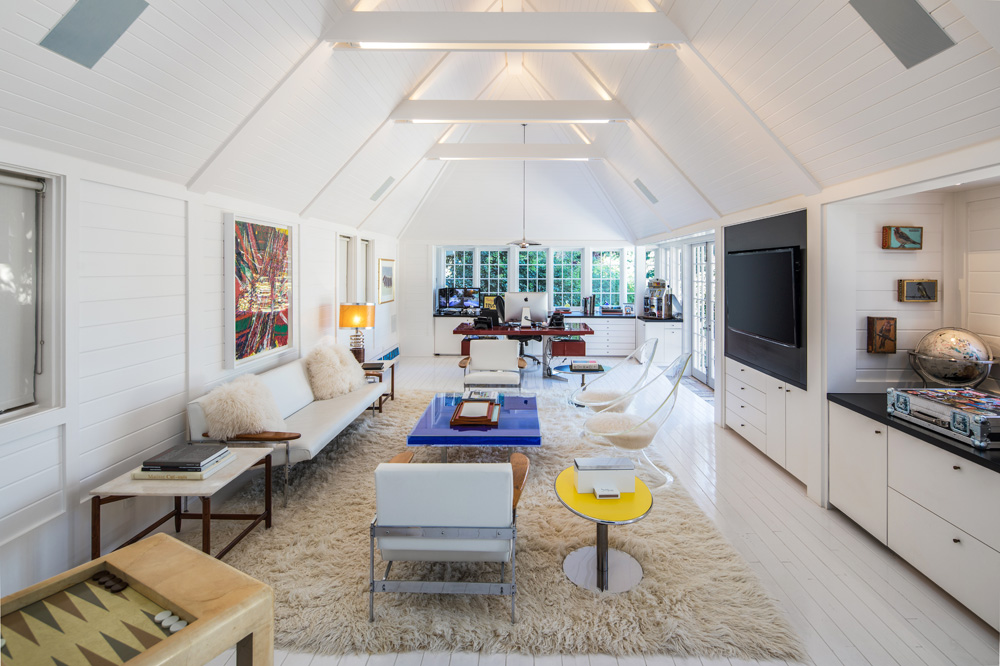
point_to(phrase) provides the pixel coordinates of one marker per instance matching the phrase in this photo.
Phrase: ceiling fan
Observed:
(524, 243)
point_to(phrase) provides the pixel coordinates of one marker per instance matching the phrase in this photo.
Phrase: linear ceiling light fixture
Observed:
(499, 152)
(504, 31)
(460, 112)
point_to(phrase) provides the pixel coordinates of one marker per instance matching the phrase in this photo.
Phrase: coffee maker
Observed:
(657, 302)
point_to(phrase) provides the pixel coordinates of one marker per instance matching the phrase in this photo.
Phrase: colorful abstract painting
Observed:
(263, 288)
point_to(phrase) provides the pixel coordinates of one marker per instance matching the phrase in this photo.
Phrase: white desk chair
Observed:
(493, 363)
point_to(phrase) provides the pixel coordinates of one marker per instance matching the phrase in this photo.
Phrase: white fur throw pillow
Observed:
(333, 371)
(243, 406)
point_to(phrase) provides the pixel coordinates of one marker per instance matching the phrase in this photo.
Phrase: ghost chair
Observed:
(633, 428)
(620, 383)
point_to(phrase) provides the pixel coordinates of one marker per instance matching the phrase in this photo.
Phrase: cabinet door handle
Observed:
(741, 406)
(780, 387)
(956, 467)
(741, 369)
(956, 541)
(878, 432)
(788, 390)
(743, 388)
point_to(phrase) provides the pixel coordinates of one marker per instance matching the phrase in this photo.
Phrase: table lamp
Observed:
(357, 316)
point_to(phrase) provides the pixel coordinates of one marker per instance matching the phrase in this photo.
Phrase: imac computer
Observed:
(526, 307)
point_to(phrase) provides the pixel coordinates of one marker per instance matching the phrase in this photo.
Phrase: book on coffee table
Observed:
(476, 413)
(184, 457)
(473, 395)
(585, 366)
(181, 475)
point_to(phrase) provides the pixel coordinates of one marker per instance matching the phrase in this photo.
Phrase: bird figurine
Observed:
(904, 238)
(922, 292)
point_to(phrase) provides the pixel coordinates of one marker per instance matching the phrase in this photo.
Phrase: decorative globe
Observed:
(953, 357)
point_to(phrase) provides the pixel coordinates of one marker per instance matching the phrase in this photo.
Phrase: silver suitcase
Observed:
(970, 416)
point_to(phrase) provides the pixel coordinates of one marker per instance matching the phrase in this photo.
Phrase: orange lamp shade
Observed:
(357, 315)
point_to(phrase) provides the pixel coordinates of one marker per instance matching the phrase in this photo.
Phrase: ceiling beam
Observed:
(578, 152)
(509, 111)
(504, 31)
(247, 135)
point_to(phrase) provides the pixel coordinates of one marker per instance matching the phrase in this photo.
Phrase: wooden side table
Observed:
(591, 567)
(125, 487)
(389, 365)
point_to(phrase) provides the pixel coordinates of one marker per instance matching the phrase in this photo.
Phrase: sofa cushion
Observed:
(333, 371)
(290, 385)
(244, 405)
(493, 377)
(322, 420)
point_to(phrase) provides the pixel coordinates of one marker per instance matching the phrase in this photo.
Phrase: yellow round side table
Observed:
(591, 567)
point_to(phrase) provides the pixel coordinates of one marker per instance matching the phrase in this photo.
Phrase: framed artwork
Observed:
(881, 335)
(916, 291)
(386, 280)
(902, 238)
(258, 289)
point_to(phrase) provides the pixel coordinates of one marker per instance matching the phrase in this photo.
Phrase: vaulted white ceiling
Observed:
(766, 99)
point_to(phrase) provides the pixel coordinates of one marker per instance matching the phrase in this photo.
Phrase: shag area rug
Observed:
(697, 596)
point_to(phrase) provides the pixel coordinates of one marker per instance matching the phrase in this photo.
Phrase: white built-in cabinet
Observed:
(612, 336)
(669, 335)
(769, 413)
(447, 343)
(935, 509)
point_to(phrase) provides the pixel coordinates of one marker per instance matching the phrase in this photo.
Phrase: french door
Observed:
(703, 312)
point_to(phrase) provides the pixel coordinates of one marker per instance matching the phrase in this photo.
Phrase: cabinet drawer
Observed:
(746, 411)
(754, 378)
(963, 493)
(858, 462)
(747, 393)
(965, 567)
(743, 428)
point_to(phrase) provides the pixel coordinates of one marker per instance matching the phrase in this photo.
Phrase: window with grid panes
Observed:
(492, 272)
(629, 275)
(605, 277)
(531, 270)
(567, 278)
(650, 264)
(458, 268)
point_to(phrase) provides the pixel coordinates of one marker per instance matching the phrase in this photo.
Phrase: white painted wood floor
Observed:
(851, 600)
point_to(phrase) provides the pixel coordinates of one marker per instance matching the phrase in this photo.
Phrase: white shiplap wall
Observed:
(863, 283)
(982, 218)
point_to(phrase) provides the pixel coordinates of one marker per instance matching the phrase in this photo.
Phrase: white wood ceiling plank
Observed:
(754, 28)
(60, 7)
(864, 101)
(304, 18)
(946, 14)
(691, 16)
(271, 34)
(719, 26)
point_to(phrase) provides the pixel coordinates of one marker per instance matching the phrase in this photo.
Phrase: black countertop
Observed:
(669, 320)
(873, 405)
(578, 315)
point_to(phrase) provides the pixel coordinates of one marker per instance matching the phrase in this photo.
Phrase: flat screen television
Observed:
(762, 294)
(455, 297)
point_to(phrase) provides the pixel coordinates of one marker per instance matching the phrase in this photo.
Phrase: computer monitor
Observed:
(515, 302)
(449, 297)
(470, 297)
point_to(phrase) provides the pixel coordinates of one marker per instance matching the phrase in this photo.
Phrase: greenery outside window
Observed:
(629, 275)
(532, 268)
(458, 268)
(492, 272)
(650, 264)
(605, 277)
(567, 278)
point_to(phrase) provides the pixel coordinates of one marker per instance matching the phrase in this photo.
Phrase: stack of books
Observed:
(186, 461)
(476, 413)
(481, 395)
(585, 366)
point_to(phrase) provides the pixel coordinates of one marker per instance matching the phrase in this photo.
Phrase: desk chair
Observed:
(492, 363)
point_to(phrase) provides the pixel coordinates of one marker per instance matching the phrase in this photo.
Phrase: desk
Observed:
(517, 332)
(124, 487)
(223, 607)
(591, 567)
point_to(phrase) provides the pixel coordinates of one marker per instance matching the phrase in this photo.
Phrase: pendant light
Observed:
(524, 243)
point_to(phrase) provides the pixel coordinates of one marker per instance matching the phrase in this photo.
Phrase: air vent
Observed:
(91, 27)
(380, 191)
(645, 190)
(905, 27)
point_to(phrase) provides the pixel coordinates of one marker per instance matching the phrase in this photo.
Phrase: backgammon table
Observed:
(74, 620)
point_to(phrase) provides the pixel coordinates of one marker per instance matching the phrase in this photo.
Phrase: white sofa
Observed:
(317, 421)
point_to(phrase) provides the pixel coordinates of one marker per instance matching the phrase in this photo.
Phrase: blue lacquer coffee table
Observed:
(518, 425)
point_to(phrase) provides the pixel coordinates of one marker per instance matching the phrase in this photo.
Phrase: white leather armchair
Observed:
(493, 363)
(440, 512)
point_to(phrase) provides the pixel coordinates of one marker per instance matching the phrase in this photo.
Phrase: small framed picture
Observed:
(881, 335)
(628, 309)
(917, 291)
(386, 280)
(902, 238)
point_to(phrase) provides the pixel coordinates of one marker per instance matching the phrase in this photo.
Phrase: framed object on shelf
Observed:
(386, 280)
(258, 289)
(881, 335)
(917, 291)
(902, 238)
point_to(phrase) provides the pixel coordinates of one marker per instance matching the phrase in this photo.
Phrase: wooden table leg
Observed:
(392, 382)
(267, 490)
(95, 527)
(256, 649)
(206, 525)
(177, 514)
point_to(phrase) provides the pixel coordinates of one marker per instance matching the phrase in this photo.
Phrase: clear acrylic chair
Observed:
(632, 428)
(617, 386)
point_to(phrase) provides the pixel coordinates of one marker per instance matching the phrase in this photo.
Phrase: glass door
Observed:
(703, 312)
